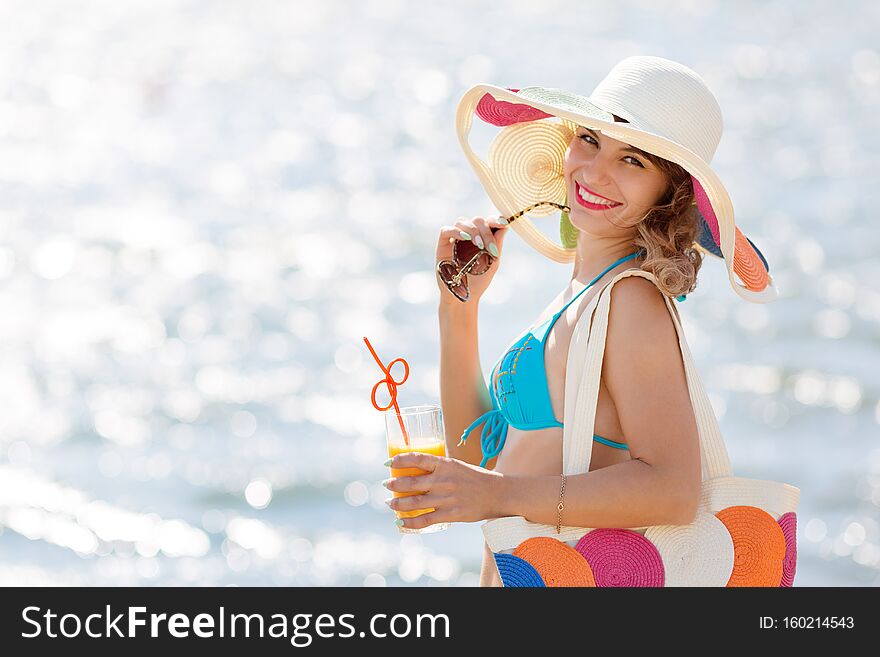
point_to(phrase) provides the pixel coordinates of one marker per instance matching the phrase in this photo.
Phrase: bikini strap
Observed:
(606, 270)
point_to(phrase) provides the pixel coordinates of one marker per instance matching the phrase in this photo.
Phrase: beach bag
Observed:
(744, 533)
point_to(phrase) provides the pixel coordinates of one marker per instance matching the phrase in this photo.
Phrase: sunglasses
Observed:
(467, 258)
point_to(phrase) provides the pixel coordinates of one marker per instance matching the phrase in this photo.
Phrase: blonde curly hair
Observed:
(667, 232)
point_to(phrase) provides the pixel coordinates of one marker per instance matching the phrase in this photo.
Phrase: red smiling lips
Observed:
(590, 205)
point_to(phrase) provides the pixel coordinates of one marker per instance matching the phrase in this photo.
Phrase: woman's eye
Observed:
(634, 162)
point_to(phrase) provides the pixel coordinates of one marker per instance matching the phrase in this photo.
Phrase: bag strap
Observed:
(583, 372)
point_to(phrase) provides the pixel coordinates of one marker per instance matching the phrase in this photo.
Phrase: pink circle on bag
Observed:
(621, 557)
(788, 522)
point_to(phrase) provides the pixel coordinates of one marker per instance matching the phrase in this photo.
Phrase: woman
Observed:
(632, 209)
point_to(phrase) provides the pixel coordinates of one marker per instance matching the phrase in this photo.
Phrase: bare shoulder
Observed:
(641, 335)
(638, 309)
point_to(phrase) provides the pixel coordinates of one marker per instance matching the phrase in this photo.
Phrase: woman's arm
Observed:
(463, 393)
(628, 494)
(644, 374)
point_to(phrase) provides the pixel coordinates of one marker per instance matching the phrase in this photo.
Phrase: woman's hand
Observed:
(480, 232)
(458, 491)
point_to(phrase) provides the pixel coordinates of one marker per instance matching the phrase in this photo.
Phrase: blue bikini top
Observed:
(519, 392)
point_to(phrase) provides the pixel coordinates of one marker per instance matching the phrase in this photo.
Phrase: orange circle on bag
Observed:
(758, 546)
(557, 563)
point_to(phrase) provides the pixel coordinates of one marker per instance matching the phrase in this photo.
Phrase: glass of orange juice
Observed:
(424, 429)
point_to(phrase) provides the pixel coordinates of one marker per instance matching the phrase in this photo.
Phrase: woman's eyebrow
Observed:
(631, 149)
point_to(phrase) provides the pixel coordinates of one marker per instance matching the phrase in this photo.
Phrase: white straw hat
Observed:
(671, 113)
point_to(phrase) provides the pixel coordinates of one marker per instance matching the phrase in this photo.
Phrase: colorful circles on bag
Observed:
(621, 557)
(516, 572)
(698, 554)
(758, 546)
(557, 563)
(788, 523)
(737, 546)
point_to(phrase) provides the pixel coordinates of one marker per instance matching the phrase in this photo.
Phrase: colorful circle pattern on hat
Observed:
(706, 210)
(531, 168)
(706, 241)
(621, 557)
(516, 572)
(758, 546)
(788, 522)
(557, 563)
(749, 265)
(503, 113)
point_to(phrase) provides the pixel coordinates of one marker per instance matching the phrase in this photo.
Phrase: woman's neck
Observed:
(593, 256)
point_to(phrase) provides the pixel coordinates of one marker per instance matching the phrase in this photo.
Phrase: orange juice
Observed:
(432, 445)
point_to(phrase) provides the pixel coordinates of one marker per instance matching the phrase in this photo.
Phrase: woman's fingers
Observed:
(425, 519)
(415, 502)
(448, 234)
(492, 241)
(478, 229)
(408, 484)
(465, 228)
(428, 462)
(484, 238)
(500, 234)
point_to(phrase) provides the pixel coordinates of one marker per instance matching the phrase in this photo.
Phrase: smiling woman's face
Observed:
(600, 166)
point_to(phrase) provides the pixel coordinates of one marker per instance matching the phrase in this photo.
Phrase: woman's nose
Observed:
(597, 173)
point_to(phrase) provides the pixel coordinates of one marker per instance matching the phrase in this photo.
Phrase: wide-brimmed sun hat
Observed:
(671, 113)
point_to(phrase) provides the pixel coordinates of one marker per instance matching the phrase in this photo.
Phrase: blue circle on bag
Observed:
(516, 572)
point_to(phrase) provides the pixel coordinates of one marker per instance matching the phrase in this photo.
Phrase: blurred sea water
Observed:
(204, 206)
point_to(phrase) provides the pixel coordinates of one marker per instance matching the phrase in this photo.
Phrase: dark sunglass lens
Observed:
(447, 270)
(447, 273)
(481, 266)
(463, 251)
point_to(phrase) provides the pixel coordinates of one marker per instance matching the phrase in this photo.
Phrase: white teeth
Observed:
(593, 199)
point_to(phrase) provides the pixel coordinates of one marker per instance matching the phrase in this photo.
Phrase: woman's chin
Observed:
(582, 218)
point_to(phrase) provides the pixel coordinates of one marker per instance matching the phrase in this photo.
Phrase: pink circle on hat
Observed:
(788, 522)
(621, 557)
(706, 210)
(503, 113)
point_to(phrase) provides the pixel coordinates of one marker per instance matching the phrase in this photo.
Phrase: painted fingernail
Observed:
(502, 220)
(388, 462)
(478, 241)
(493, 249)
(464, 235)
(386, 482)
(388, 501)
(399, 522)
